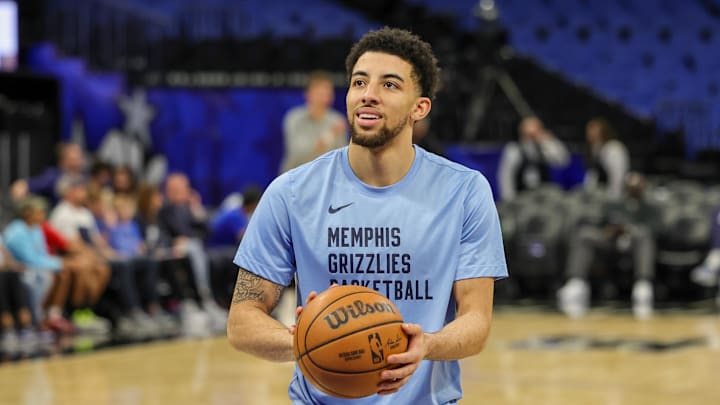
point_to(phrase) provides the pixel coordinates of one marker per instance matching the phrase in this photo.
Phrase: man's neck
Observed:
(381, 167)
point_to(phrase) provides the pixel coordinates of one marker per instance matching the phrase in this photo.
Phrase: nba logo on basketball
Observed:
(376, 348)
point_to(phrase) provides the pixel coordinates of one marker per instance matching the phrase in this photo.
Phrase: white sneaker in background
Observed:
(29, 342)
(704, 275)
(9, 344)
(217, 317)
(642, 300)
(126, 329)
(168, 325)
(145, 325)
(574, 298)
(194, 323)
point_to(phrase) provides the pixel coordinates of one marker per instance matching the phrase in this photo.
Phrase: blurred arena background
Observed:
(201, 88)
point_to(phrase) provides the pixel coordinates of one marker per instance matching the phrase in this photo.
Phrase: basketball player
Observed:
(385, 214)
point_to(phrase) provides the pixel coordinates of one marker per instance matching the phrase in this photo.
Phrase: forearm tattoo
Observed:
(250, 287)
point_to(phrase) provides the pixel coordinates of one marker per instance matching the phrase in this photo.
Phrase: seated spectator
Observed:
(158, 244)
(71, 162)
(100, 204)
(90, 274)
(228, 226)
(226, 231)
(77, 223)
(46, 277)
(526, 164)
(124, 181)
(100, 177)
(125, 237)
(184, 219)
(707, 273)
(16, 338)
(628, 226)
(608, 159)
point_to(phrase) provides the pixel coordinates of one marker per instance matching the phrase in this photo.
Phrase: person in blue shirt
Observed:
(385, 214)
(46, 277)
(226, 230)
(228, 225)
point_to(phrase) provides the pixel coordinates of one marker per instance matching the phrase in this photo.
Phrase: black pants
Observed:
(223, 273)
(135, 282)
(177, 272)
(12, 292)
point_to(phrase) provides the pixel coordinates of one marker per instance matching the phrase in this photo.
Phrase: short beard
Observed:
(380, 139)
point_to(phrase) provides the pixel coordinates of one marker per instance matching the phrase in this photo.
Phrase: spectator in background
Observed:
(15, 337)
(90, 272)
(100, 177)
(149, 203)
(314, 128)
(100, 204)
(226, 231)
(707, 273)
(526, 164)
(71, 162)
(228, 226)
(47, 277)
(175, 266)
(184, 219)
(608, 159)
(124, 180)
(627, 226)
(125, 238)
(79, 226)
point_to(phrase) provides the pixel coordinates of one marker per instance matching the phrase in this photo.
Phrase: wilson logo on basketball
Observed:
(342, 315)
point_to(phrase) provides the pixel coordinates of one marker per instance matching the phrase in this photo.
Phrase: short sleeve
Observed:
(266, 248)
(481, 248)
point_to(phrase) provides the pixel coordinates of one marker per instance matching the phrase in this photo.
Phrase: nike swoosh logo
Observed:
(332, 210)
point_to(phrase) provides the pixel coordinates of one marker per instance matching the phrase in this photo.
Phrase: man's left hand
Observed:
(407, 362)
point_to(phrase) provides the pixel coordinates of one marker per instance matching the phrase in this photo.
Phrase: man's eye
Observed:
(390, 85)
(358, 83)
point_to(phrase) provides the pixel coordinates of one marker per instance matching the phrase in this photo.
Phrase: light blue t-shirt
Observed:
(27, 244)
(410, 241)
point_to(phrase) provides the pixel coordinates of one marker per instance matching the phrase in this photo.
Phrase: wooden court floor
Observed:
(531, 358)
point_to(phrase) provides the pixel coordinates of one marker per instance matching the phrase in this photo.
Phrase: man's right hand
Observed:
(299, 309)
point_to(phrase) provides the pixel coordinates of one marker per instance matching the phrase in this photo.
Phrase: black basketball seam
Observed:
(301, 355)
(346, 335)
(297, 337)
(342, 336)
(317, 381)
(327, 305)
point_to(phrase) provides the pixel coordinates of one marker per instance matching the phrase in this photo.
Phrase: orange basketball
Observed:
(343, 338)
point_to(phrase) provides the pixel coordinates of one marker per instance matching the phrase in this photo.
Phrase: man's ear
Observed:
(422, 109)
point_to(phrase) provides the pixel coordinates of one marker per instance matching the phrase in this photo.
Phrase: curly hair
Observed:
(406, 46)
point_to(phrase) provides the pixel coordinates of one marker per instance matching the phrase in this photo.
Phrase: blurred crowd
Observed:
(92, 250)
(663, 232)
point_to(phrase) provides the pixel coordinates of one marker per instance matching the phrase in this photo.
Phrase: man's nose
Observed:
(370, 96)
